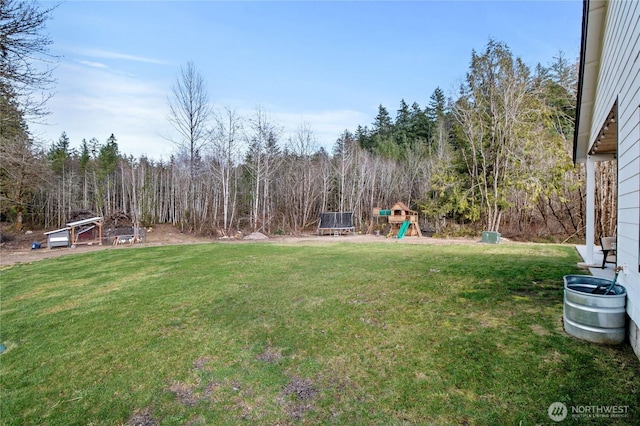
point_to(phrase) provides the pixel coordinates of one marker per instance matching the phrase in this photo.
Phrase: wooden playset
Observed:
(402, 220)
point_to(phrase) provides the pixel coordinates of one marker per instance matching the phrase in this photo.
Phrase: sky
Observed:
(326, 65)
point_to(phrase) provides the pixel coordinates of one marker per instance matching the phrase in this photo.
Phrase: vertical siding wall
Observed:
(619, 79)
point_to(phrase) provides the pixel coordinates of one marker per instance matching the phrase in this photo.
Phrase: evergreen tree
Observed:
(343, 143)
(402, 126)
(12, 123)
(59, 154)
(560, 83)
(383, 124)
(419, 123)
(85, 156)
(435, 113)
(437, 105)
(108, 157)
(83, 163)
(104, 176)
(364, 138)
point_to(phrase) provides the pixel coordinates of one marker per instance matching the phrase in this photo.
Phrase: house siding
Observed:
(619, 81)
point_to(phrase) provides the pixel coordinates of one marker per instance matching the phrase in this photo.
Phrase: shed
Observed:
(86, 231)
(58, 238)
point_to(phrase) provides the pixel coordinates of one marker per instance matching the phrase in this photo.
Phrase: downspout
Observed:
(583, 50)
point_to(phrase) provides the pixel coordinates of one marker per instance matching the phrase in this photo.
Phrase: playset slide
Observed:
(403, 228)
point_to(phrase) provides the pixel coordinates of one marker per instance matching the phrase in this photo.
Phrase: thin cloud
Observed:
(93, 64)
(94, 101)
(108, 54)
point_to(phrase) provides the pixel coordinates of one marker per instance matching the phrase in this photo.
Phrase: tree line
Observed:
(494, 157)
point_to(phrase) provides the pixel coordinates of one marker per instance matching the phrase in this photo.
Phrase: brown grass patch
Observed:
(184, 394)
(297, 397)
(270, 355)
(143, 418)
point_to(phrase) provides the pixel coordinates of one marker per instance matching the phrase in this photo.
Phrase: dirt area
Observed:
(17, 247)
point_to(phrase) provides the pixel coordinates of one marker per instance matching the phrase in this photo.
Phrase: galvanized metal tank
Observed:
(598, 318)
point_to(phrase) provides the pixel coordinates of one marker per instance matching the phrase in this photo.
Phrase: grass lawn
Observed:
(314, 334)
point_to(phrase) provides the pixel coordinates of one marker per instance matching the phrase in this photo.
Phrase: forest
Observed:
(496, 156)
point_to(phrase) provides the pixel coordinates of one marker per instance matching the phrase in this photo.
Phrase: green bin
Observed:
(490, 237)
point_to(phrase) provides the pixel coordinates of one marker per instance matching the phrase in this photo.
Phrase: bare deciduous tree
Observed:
(26, 66)
(189, 113)
(303, 177)
(262, 163)
(225, 152)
